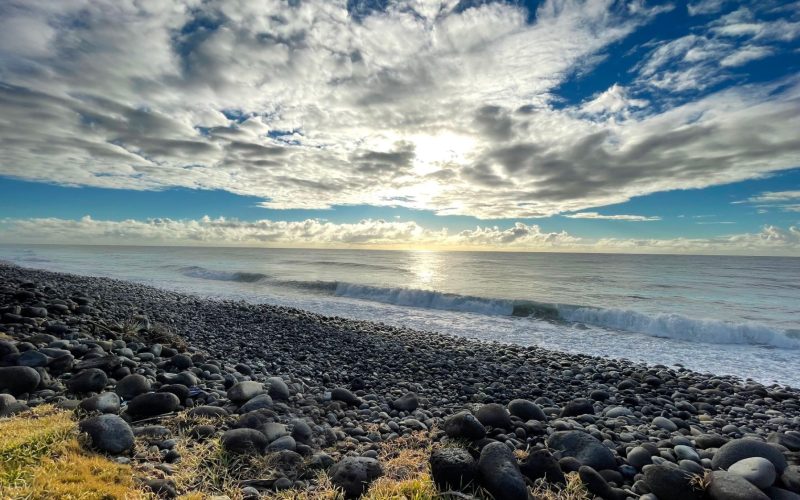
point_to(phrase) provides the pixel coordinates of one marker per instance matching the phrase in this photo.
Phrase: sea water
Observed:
(724, 315)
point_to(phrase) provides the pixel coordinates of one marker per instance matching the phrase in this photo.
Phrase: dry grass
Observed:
(574, 489)
(206, 467)
(41, 458)
(406, 473)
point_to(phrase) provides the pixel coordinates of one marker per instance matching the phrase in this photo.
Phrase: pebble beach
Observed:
(314, 406)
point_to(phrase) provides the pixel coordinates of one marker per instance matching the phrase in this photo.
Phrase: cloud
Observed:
(774, 197)
(371, 233)
(745, 55)
(438, 105)
(595, 215)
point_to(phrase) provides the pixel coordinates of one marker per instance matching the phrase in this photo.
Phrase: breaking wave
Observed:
(666, 325)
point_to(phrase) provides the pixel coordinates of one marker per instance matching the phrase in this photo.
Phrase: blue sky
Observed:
(593, 125)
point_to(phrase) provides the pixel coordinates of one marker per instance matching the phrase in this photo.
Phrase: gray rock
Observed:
(665, 423)
(241, 392)
(671, 483)
(131, 386)
(301, 431)
(683, 452)
(757, 470)
(408, 402)
(791, 478)
(494, 415)
(18, 380)
(278, 389)
(345, 396)
(464, 425)
(108, 433)
(780, 494)
(729, 486)
(639, 457)
(89, 380)
(583, 447)
(576, 407)
(452, 468)
(244, 441)
(526, 410)
(542, 464)
(282, 443)
(257, 403)
(33, 359)
(499, 473)
(105, 402)
(597, 485)
(790, 441)
(739, 449)
(152, 404)
(354, 475)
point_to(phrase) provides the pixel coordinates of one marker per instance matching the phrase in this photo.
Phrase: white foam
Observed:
(428, 299)
(676, 326)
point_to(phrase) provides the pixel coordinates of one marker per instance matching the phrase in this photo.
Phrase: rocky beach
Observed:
(173, 395)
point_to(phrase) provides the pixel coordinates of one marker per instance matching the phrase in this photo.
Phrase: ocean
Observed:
(722, 315)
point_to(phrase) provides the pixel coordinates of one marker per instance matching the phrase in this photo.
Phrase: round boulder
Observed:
(464, 425)
(499, 472)
(241, 392)
(452, 468)
(131, 386)
(354, 474)
(583, 447)
(757, 470)
(739, 449)
(108, 433)
(526, 410)
(244, 441)
(152, 404)
(88, 380)
(494, 415)
(18, 379)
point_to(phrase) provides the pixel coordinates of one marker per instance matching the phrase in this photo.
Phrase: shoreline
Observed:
(358, 386)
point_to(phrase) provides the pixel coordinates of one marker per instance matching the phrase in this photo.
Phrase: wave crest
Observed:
(208, 274)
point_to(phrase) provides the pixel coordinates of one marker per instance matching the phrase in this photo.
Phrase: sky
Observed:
(560, 125)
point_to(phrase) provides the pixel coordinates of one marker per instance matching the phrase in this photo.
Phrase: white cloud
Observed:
(424, 105)
(595, 215)
(704, 7)
(745, 55)
(771, 240)
(774, 197)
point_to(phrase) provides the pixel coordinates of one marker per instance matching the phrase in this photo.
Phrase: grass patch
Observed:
(27, 437)
(41, 458)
